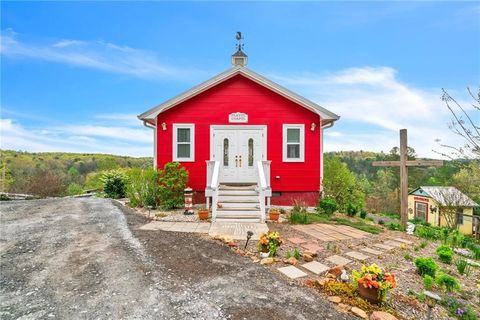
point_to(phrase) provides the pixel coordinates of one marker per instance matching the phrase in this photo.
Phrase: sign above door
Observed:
(238, 117)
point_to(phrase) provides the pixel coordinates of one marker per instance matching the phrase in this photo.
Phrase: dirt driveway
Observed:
(87, 259)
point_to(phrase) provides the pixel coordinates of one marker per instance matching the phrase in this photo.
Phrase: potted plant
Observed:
(373, 283)
(268, 244)
(203, 213)
(274, 214)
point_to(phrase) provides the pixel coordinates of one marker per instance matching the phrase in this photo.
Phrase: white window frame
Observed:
(302, 142)
(190, 126)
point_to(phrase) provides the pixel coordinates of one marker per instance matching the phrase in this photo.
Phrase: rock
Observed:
(291, 261)
(310, 253)
(267, 261)
(359, 312)
(381, 315)
(344, 307)
(307, 257)
(255, 260)
(336, 271)
(232, 244)
(323, 281)
(335, 299)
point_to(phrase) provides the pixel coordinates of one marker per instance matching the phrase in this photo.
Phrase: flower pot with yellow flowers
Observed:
(374, 283)
(268, 244)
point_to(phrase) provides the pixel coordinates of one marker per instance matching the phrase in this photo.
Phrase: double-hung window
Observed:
(184, 142)
(293, 143)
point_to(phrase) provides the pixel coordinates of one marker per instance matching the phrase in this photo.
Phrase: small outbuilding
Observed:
(444, 206)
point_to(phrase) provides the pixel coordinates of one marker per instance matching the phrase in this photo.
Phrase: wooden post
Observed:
(403, 178)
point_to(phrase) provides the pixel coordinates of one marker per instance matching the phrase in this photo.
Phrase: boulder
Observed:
(307, 257)
(381, 315)
(336, 271)
(267, 261)
(291, 261)
(359, 312)
(310, 253)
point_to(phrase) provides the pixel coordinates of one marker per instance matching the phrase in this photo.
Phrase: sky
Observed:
(74, 75)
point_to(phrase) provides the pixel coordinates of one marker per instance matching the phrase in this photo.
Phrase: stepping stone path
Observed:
(403, 240)
(393, 243)
(372, 251)
(312, 247)
(383, 246)
(292, 272)
(297, 240)
(338, 260)
(315, 267)
(357, 255)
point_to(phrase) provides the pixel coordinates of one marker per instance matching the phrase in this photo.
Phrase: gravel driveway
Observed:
(86, 259)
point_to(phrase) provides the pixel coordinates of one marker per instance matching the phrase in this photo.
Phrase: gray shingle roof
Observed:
(449, 196)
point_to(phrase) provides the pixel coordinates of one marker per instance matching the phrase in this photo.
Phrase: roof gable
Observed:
(326, 116)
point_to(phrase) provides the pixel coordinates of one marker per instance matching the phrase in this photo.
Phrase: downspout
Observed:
(328, 125)
(154, 127)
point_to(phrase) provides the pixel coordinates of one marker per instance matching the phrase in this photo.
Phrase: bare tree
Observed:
(464, 123)
(450, 200)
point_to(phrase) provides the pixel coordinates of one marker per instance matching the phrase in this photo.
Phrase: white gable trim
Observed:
(325, 115)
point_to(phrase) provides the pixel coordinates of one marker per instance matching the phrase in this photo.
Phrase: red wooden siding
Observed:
(264, 107)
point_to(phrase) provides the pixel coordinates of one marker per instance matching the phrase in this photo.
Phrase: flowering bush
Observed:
(375, 277)
(270, 242)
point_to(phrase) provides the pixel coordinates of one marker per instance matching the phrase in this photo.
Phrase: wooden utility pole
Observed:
(404, 164)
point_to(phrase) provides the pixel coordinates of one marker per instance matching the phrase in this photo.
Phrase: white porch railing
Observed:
(214, 184)
(262, 187)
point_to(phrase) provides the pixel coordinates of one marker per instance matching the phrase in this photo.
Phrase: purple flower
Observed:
(459, 312)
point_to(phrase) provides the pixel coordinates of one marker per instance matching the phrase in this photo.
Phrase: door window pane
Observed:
(183, 135)
(250, 152)
(183, 150)
(225, 152)
(293, 135)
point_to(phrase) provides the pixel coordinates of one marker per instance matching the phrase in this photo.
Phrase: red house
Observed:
(246, 141)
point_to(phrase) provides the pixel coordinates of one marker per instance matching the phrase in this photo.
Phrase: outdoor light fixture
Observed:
(433, 209)
(164, 126)
(249, 235)
(313, 126)
(431, 300)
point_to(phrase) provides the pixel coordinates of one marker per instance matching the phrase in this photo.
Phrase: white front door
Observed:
(238, 149)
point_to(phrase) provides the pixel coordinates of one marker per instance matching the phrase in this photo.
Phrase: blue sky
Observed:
(75, 74)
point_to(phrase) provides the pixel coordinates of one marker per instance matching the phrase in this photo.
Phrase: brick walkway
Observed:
(327, 232)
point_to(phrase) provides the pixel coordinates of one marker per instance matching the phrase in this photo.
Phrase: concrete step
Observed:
(237, 187)
(226, 205)
(237, 193)
(238, 198)
(238, 209)
(239, 220)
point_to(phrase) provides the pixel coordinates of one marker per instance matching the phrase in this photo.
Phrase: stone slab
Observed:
(203, 228)
(315, 267)
(238, 230)
(383, 246)
(357, 255)
(372, 251)
(297, 240)
(312, 247)
(403, 240)
(393, 243)
(157, 225)
(338, 260)
(292, 272)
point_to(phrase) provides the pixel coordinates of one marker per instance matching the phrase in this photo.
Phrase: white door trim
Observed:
(239, 127)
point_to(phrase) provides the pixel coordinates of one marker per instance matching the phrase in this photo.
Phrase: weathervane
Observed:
(239, 38)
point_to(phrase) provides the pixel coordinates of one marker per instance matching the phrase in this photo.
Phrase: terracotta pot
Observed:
(274, 215)
(370, 294)
(203, 214)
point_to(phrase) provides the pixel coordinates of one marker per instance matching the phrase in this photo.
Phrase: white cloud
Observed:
(374, 104)
(77, 138)
(99, 55)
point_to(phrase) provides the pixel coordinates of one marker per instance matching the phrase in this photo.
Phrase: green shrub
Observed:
(352, 209)
(475, 250)
(456, 238)
(463, 267)
(142, 187)
(426, 266)
(444, 235)
(448, 282)
(428, 232)
(172, 182)
(458, 308)
(408, 257)
(74, 188)
(363, 214)
(445, 253)
(467, 241)
(428, 282)
(296, 254)
(395, 226)
(422, 245)
(418, 221)
(114, 184)
(327, 206)
(299, 214)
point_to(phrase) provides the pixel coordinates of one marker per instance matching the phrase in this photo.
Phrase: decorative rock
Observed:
(344, 307)
(255, 260)
(291, 261)
(232, 244)
(307, 257)
(324, 281)
(335, 299)
(310, 253)
(380, 315)
(267, 261)
(359, 312)
(336, 271)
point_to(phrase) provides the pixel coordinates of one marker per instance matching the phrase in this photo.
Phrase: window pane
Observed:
(250, 152)
(293, 151)
(293, 135)
(225, 152)
(183, 151)
(183, 135)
